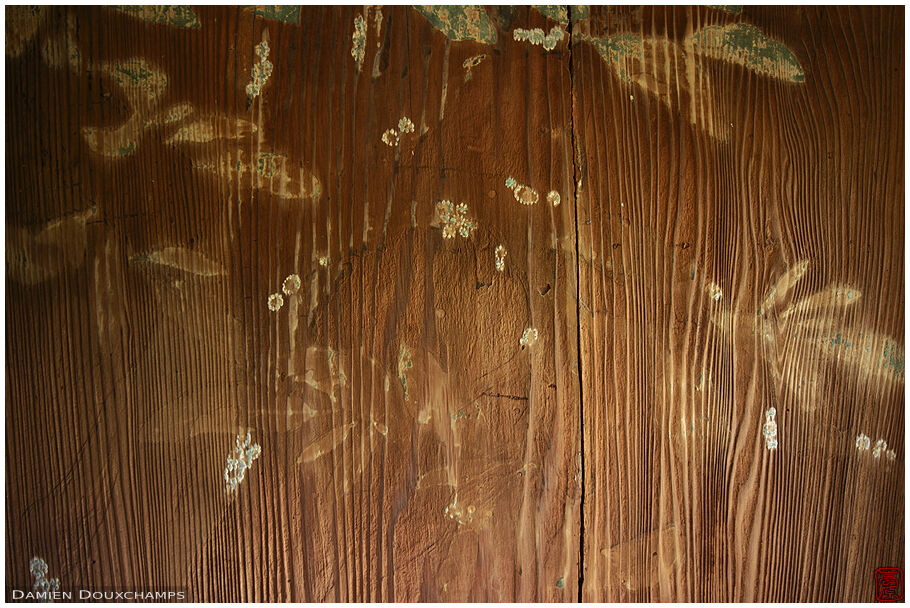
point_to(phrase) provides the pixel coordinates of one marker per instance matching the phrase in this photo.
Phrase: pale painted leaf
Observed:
(176, 16)
(115, 142)
(872, 355)
(184, 260)
(733, 9)
(281, 13)
(784, 285)
(748, 46)
(830, 298)
(663, 69)
(34, 256)
(563, 13)
(22, 23)
(211, 128)
(325, 444)
(141, 81)
(270, 171)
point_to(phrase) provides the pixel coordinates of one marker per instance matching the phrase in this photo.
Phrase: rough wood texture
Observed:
(227, 220)
(703, 191)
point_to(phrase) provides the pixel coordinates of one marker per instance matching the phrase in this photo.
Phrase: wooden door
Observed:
(454, 303)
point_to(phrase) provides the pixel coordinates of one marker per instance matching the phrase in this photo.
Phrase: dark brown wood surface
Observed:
(702, 217)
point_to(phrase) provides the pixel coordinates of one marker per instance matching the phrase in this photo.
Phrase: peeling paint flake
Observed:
(769, 430)
(458, 513)
(536, 36)
(461, 22)
(500, 254)
(470, 63)
(879, 447)
(405, 125)
(275, 302)
(44, 586)
(359, 41)
(526, 195)
(239, 460)
(261, 70)
(454, 219)
(404, 364)
(392, 137)
(291, 285)
(714, 292)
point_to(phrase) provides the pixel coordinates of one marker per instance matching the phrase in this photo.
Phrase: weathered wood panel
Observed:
(257, 349)
(411, 446)
(740, 219)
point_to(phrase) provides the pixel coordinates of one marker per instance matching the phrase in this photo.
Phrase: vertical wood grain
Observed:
(133, 370)
(706, 184)
(584, 424)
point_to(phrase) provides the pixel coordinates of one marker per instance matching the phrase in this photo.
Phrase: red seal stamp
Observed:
(889, 585)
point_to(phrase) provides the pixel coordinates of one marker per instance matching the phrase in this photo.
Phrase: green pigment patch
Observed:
(733, 9)
(579, 12)
(893, 357)
(556, 12)
(461, 22)
(747, 46)
(871, 352)
(177, 16)
(283, 13)
(177, 113)
(131, 75)
(136, 73)
(267, 164)
(841, 340)
(564, 13)
(619, 49)
(404, 364)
